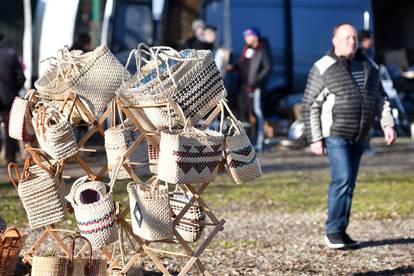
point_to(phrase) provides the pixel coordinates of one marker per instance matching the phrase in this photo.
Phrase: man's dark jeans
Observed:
(344, 159)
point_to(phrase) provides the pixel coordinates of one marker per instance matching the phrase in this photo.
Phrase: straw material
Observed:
(179, 199)
(150, 211)
(54, 133)
(20, 126)
(241, 160)
(11, 243)
(190, 231)
(93, 76)
(96, 219)
(192, 156)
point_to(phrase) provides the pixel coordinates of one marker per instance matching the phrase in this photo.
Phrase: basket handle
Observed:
(88, 266)
(9, 230)
(16, 170)
(64, 238)
(74, 97)
(115, 173)
(36, 158)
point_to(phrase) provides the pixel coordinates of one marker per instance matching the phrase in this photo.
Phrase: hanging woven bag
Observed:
(20, 118)
(54, 133)
(41, 189)
(11, 243)
(69, 266)
(150, 211)
(95, 210)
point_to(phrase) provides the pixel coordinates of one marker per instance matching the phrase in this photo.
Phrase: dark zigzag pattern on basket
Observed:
(244, 151)
(198, 166)
(153, 153)
(106, 217)
(237, 164)
(105, 227)
(216, 151)
(191, 98)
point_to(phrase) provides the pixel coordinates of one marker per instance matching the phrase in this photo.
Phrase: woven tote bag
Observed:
(190, 231)
(41, 190)
(150, 211)
(190, 78)
(241, 160)
(20, 119)
(93, 76)
(95, 210)
(190, 155)
(64, 266)
(179, 199)
(11, 243)
(54, 133)
(118, 139)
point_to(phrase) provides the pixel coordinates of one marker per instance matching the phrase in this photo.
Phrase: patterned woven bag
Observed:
(241, 160)
(190, 155)
(190, 78)
(150, 211)
(93, 76)
(40, 189)
(95, 210)
(20, 125)
(190, 231)
(118, 139)
(11, 243)
(54, 133)
(68, 266)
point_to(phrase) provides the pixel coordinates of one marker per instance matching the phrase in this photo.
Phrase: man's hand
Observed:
(317, 148)
(389, 135)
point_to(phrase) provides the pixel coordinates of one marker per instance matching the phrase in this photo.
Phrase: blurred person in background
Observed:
(11, 81)
(254, 67)
(342, 96)
(196, 41)
(82, 42)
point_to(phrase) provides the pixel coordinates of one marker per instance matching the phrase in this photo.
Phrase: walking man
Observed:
(342, 97)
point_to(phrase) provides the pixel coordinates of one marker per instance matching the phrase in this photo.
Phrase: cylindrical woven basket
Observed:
(54, 133)
(94, 76)
(95, 216)
(11, 243)
(150, 212)
(190, 156)
(179, 199)
(20, 119)
(42, 192)
(241, 160)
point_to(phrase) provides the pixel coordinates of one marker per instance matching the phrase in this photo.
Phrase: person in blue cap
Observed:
(254, 67)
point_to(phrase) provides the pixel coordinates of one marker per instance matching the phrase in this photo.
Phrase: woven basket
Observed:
(94, 76)
(190, 231)
(153, 155)
(54, 133)
(95, 210)
(150, 211)
(190, 155)
(11, 243)
(118, 139)
(64, 266)
(194, 84)
(20, 125)
(179, 199)
(41, 191)
(241, 160)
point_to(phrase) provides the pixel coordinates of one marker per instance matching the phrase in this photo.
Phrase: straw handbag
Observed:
(41, 190)
(20, 126)
(189, 155)
(64, 266)
(95, 210)
(241, 160)
(94, 76)
(150, 211)
(54, 133)
(190, 78)
(11, 243)
(118, 139)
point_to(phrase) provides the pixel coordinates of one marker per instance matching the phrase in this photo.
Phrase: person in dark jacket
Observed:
(11, 81)
(254, 67)
(197, 41)
(342, 97)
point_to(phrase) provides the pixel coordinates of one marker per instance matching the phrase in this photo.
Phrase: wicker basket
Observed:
(54, 133)
(150, 211)
(11, 243)
(179, 199)
(190, 231)
(95, 210)
(20, 126)
(93, 76)
(41, 190)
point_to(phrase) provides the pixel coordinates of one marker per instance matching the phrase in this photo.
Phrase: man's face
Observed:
(210, 36)
(251, 39)
(345, 41)
(366, 43)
